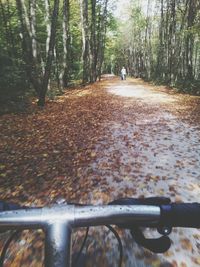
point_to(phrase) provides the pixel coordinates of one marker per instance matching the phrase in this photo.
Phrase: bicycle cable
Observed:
(81, 249)
(15, 233)
(5, 247)
(86, 236)
(119, 243)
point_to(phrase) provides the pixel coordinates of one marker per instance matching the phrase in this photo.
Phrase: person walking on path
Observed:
(123, 73)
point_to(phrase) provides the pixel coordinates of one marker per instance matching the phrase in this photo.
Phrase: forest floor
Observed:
(94, 144)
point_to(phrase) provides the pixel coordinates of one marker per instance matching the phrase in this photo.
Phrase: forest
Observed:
(48, 46)
(44, 45)
(163, 44)
(72, 131)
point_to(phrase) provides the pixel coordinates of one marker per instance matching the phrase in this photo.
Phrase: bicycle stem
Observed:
(58, 245)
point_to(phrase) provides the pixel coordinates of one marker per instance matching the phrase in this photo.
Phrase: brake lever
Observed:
(157, 245)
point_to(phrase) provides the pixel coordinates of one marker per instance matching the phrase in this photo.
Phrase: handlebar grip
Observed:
(181, 215)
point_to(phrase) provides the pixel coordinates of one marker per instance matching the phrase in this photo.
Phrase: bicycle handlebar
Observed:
(58, 220)
(172, 214)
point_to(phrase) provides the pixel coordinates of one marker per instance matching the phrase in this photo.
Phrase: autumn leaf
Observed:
(91, 146)
(93, 154)
(186, 244)
(196, 260)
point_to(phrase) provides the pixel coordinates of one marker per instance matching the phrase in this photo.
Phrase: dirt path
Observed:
(113, 139)
(148, 147)
(150, 151)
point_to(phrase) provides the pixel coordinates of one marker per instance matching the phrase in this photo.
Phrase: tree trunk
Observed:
(32, 27)
(172, 42)
(48, 24)
(31, 68)
(65, 37)
(93, 52)
(102, 37)
(190, 40)
(160, 54)
(46, 77)
(85, 40)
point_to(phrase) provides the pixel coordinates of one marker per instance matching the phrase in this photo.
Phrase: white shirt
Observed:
(123, 71)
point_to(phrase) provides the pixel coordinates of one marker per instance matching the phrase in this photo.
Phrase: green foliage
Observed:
(13, 75)
(161, 46)
(13, 80)
(111, 41)
(21, 68)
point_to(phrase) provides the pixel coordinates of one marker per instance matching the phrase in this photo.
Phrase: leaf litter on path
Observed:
(113, 139)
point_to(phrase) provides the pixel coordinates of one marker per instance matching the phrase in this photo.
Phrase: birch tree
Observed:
(85, 40)
(38, 79)
(46, 77)
(65, 37)
(32, 27)
(93, 43)
(101, 36)
(166, 47)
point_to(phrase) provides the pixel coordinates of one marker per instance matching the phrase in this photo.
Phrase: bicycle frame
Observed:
(59, 220)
